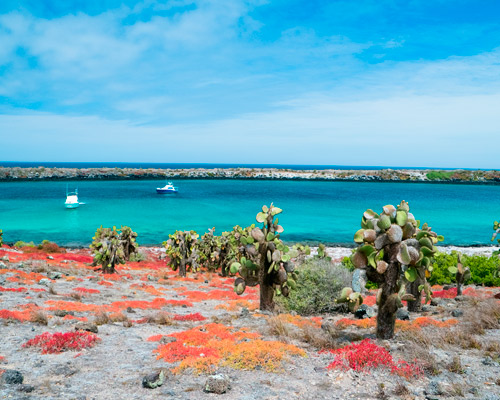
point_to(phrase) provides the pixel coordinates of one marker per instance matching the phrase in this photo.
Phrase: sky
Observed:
(365, 82)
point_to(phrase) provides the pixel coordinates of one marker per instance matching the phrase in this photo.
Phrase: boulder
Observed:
(218, 383)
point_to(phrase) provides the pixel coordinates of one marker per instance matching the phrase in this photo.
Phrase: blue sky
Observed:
(382, 82)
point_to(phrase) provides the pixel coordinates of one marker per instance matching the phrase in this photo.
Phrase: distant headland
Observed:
(368, 175)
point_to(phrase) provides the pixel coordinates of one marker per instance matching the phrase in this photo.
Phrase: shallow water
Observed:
(327, 212)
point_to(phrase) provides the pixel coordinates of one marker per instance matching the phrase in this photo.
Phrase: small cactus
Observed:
(181, 251)
(352, 298)
(395, 252)
(461, 274)
(128, 242)
(1, 239)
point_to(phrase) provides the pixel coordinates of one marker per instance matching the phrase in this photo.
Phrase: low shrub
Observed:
(319, 284)
(483, 269)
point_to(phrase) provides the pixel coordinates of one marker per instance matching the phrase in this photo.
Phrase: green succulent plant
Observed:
(264, 260)
(352, 298)
(181, 250)
(108, 250)
(1, 239)
(396, 253)
(461, 273)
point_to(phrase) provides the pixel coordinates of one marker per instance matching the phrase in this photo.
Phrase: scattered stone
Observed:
(5, 258)
(364, 311)
(462, 298)
(436, 301)
(50, 257)
(54, 275)
(44, 282)
(434, 388)
(2, 265)
(25, 388)
(152, 381)
(151, 278)
(12, 377)
(86, 326)
(2, 279)
(130, 310)
(447, 287)
(63, 369)
(488, 361)
(63, 313)
(497, 296)
(457, 313)
(359, 281)
(167, 339)
(218, 383)
(403, 314)
(244, 312)
(426, 308)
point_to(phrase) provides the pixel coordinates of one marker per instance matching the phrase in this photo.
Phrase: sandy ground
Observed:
(115, 367)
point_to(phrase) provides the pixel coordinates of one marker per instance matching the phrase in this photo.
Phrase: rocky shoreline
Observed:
(383, 175)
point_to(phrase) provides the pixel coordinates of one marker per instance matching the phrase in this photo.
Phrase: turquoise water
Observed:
(313, 211)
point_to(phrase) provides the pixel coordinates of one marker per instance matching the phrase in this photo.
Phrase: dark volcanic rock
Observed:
(12, 377)
(403, 314)
(86, 326)
(152, 381)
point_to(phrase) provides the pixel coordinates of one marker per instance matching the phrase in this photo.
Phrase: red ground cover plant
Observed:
(22, 316)
(83, 290)
(217, 294)
(58, 342)
(205, 347)
(189, 317)
(366, 355)
(21, 289)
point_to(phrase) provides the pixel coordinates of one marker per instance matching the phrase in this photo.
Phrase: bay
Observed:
(328, 212)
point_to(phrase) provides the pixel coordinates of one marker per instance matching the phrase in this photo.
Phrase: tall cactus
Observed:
(108, 250)
(395, 252)
(128, 241)
(181, 251)
(264, 259)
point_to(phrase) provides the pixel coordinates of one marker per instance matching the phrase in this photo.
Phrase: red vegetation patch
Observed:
(104, 283)
(83, 290)
(366, 355)
(205, 347)
(21, 289)
(179, 303)
(59, 342)
(189, 317)
(155, 338)
(147, 288)
(17, 315)
(234, 305)
(218, 294)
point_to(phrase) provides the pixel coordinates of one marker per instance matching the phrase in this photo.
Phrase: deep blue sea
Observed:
(328, 212)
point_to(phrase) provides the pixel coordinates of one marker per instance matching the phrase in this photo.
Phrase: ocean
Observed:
(327, 212)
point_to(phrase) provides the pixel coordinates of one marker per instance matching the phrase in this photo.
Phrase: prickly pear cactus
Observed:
(352, 298)
(209, 249)
(263, 259)
(1, 239)
(461, 274)
(128, 242)
(395, 251)
(182, 251)
(108, 250)
(496, 228)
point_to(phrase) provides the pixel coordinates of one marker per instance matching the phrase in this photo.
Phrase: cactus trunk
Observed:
(386, 316)
(412, 288)
(265, 283)
(182, 268)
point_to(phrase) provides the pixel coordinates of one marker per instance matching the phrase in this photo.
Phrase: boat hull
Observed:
(71, 205)
(165, 191)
